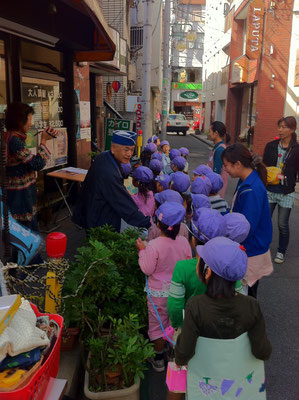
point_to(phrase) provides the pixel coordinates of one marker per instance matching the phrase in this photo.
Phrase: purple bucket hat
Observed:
(207, 224)
(216, 181)
(200, 201)
(143, 174)
(184, 151)
(126, 168)
(180, 162)
(180, 182)
(157, 156)
(151, 147)
(237, 226)
(224, 257)
(174, 153)
(164, 180)
(202, 170)
(152, 139)
(171, 213)
(156, 166)
(169, 196)
(201, 185)
(163, 143)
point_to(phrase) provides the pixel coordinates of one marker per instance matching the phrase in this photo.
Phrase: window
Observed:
(3, 98)
(136, 37)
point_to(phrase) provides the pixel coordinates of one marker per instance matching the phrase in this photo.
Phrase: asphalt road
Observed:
(278, 295)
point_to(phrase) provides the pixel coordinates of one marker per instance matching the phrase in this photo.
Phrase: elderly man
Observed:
(103, 198)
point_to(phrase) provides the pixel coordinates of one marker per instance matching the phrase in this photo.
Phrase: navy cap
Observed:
(151, 147)
(184, 151)
(124, 138)
(224, 257)
(237, 226)
(202, 170)
(171, 213)
(200, 201)
(174, 153)
(180, 162)
(157, 156)
(126, 168)
(201, 185)
(156, 165)
(152, 139)
(169, 196)
(164, 180)
(143, 174)
(216, 181)
(207, 224)
(180, 182)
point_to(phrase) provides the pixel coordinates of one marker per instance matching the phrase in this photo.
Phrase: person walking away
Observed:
(157, 260)
(217, 135)
(144, 199)
(103, 199)
(251, 200)
(284, 154)
(221, 313)
(22, 164)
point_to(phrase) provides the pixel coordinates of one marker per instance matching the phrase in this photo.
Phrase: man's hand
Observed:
(139, 244)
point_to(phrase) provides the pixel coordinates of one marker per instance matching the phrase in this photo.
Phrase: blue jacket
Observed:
(103, 198)
(252, 201)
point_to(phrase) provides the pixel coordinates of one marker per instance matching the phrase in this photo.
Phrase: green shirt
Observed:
(185, 284)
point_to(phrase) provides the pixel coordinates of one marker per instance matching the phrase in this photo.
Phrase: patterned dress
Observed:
(21, 167)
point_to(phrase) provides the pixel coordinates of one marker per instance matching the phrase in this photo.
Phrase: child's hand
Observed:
(139, 244)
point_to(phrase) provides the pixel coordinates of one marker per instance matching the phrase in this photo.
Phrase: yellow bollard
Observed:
(139, 143)
(52, 290)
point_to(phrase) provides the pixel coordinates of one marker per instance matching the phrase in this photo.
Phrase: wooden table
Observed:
(74, 175)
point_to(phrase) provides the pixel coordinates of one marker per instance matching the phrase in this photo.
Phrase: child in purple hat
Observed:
(126, 169)
(162, 183)
(217, 202)
(178, 164)
(184, 282)
(156, 166)
(185, 153)
(200, 201)
(151, 147)
(143, 180)
(237, 226)
(180, 182)
(154, 139)
(221, 313)
(157, 260)
(165, 157)
(174, 153)
(201, 170)
(157, 156)
(201, 185)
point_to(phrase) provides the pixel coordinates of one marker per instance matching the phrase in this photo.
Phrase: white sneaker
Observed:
(279, 258)
(158, 365)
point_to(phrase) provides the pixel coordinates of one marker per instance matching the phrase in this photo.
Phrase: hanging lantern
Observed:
(116, 86)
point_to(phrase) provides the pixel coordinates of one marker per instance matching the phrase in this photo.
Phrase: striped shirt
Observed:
(218, 203)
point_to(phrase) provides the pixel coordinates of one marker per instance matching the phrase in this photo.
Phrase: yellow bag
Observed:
(273, 175)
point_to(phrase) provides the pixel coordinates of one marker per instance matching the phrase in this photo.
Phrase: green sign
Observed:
(115, 125)
(189, 95)
(186, 85)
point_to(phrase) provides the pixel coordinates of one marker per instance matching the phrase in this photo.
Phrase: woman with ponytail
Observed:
(283, 153)
(251, 200)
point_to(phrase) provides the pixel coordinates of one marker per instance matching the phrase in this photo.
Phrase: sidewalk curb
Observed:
(207, 142)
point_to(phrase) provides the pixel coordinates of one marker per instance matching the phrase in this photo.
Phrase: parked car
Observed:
(177, 123)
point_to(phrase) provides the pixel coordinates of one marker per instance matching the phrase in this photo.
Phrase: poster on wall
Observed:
(85, 125)
(57, 147)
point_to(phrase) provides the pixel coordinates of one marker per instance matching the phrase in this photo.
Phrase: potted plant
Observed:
(123, 352)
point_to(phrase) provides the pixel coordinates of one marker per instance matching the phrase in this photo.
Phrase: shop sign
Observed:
(187, 85)
(189, 95)
(113, 125)
(255, 29)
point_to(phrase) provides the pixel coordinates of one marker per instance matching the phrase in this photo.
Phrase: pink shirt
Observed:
(145, 204)
(159, 258)
(155, 232)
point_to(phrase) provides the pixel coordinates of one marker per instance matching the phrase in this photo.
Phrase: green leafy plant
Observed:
(123, 348)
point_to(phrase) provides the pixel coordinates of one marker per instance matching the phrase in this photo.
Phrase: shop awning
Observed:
(104, 46)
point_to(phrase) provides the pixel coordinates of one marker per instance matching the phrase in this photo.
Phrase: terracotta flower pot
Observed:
(69, 336)
(112, 377)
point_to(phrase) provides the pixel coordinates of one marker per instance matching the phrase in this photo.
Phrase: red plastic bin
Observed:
(37, 386)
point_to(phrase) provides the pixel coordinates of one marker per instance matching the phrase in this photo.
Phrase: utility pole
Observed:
(165, 89)
(147, 69)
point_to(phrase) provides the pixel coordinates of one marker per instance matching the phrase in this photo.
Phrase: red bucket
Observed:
(56, 244)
